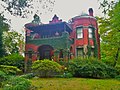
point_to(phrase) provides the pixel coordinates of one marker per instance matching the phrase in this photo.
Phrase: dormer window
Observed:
(79, 32)
(90, 32)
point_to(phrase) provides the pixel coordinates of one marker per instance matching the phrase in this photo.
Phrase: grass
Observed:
(75, 84)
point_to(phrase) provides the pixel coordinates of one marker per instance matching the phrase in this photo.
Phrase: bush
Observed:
(27, 76)
(67, 75)
(46, 68)
(118, 68)
(117, 77)
(17, 83)
(91, 69)
(13, 60)
(3, 77)
(10, 70)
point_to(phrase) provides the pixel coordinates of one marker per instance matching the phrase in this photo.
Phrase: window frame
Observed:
(80, 52)
(79, 33)
(90, 33)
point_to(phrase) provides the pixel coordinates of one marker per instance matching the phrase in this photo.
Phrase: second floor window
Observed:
(79, 32)
(90, 31)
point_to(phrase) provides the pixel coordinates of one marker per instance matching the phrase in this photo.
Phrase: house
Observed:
(59, 40)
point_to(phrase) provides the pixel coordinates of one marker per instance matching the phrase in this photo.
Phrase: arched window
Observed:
(90, 32)
(79, 32)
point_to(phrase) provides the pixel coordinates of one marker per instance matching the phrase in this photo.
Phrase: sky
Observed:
(64, 9)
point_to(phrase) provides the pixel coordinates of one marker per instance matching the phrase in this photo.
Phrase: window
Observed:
(79, 52)
(61, 54)
(92, 52)
(79, 32)
(90, 31)
(30, 52)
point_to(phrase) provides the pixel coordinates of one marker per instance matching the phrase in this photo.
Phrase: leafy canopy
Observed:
(110, 34)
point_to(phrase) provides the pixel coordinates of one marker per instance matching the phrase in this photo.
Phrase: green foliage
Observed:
(3, 77)
(117, 77)
(3, 27)
(10, 70)
(16, 5)
(106, 5)
(27, 76)
(110, 34)
(13, 60)
(46, 68)
(17, 83)
(10, 42)
(13, 42)
(118, 68)
(91, 69)
(67, 75)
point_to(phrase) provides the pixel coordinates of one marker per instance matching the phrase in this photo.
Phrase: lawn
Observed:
(75, 84)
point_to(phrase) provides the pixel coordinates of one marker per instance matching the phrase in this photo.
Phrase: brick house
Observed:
(60, 40)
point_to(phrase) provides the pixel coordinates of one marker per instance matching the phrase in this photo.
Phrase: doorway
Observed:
(45, 52)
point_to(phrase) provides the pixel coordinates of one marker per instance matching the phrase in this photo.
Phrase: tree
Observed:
(3, 27)
(13, 42)
(106, 5)
(110, 34)
(24, 8)
(10, 42)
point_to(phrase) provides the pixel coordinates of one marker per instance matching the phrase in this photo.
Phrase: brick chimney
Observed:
(90, 11)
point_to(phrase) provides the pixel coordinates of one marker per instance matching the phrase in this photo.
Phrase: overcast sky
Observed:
(64, 9)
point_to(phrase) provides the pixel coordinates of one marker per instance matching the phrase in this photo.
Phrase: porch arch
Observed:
(45, 52)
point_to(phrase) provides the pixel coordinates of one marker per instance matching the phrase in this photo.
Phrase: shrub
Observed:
(46, 68)
(3, 77)
(90, 68)
(67, 75)
(117, 77)
(17, 83)
(118, 68)
(10, 70)
(109, 61)
(13, 60)
(28, 76)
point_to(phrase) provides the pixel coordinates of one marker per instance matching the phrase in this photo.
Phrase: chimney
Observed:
(90, 11)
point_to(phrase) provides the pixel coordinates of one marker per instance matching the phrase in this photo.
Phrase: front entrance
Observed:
(45, 52)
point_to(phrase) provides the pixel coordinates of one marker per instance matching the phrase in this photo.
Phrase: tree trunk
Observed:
(116, 57)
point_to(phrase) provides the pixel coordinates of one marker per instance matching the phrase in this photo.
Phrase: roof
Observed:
(54, 26)
(83, 16)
